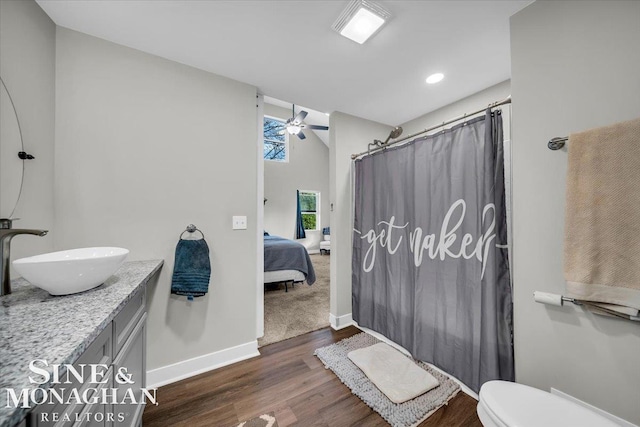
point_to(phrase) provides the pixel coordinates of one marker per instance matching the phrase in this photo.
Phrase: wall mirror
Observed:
(11, 166)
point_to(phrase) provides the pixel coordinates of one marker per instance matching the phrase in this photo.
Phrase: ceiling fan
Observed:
(296, 124)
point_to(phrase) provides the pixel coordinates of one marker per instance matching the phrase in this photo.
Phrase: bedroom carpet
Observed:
(303, 309)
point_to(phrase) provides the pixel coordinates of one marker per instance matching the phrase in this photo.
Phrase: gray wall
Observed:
(307, 169)
(144, 147)
(347, 135)
(574, 67)
(27, 66)
(464, 106)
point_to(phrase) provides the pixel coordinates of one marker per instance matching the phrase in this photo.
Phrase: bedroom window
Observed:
(310, 208)
(276, 144)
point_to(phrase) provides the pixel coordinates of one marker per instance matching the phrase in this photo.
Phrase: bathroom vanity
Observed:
(104, 327)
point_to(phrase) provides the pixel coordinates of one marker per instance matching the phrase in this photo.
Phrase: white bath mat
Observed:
(407, 414)
(397, 376)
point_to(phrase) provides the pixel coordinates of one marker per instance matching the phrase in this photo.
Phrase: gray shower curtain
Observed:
(430, 262)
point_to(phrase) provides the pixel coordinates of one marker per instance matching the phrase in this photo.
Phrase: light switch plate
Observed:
(239, 222)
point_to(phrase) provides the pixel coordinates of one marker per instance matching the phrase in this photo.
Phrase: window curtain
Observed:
(300, 234)
(430, 260)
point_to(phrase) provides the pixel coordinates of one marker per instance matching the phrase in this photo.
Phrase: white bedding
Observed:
(283, 276)
(397, 376)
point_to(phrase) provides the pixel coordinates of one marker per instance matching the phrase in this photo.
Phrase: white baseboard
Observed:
(607, 415)
(401, 349)
(198, 365)
(340, 322)
(313, 251)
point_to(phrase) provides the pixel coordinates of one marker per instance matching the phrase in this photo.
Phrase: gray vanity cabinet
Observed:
(97, 415)
(122, 346)
(132, 357)
(100, 351)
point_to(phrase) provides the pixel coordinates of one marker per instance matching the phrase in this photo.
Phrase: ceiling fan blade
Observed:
(300, 117)
(301, 135)
(316, 127)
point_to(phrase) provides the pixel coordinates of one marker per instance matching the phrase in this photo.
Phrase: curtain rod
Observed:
(465, 116)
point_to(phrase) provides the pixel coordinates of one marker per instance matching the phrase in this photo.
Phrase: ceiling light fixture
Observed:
(435, 78)
(293, 129)
(361, 20)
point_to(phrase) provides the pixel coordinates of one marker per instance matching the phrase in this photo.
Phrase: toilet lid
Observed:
(517, 405)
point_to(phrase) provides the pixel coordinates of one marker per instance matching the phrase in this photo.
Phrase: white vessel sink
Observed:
(72, 271)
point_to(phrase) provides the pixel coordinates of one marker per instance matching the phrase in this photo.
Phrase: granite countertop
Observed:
(37, 325)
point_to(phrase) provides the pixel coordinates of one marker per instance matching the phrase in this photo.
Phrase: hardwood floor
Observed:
(286, 379)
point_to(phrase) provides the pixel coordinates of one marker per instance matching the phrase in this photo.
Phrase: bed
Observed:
(286, 261)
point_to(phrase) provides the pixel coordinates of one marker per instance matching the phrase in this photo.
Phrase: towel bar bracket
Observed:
(572, 300)
(191, 229)
(557, 143)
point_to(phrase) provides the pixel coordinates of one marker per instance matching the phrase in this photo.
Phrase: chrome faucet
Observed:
(6, 234)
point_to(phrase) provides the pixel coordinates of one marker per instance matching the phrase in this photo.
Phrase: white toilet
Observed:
(507, 404)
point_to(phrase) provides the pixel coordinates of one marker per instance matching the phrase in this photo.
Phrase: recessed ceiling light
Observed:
(361, 20)
(435, 78)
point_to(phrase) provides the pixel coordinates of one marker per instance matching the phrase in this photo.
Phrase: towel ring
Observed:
(191, 229)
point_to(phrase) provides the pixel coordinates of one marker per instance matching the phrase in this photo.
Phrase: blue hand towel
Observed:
(192, 269)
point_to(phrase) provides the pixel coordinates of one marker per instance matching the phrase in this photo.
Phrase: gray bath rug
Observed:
(407, 414)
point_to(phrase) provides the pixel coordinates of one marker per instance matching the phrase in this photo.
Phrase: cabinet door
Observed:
(97, 414)
(125, 322)
(59, 414)
(132, 359)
